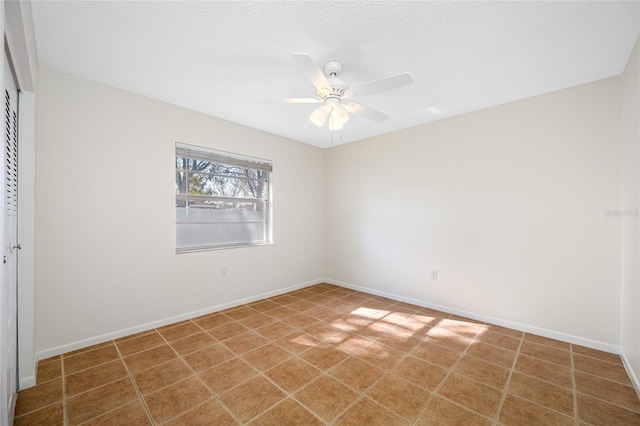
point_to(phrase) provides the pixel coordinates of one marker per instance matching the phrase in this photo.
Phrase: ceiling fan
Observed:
(336, 95)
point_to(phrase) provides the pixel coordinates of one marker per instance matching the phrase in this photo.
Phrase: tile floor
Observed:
(326, 355)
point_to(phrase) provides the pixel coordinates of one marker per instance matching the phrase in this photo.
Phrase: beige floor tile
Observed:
(51, 415)
(461, 327)
(299, 321)
(39, 396)
(321, 330)
(607, 390)
(500, 340)
(604, 369)
(442, 412)
(94, 377)
(482, 371)
(282, 313)
(149, 358)
(503, 330)
(357, 373)
(208, 357)
(132, 414)
(556, 397)
(263, 305)
(436, 354)
(49, 370)
(421, 373)
(302, 305)
(400, 396)
(207, 322)
(176, 399)
(361, 359)
(594, 353)
(161, 376)
(283, 299)
(140, 343)
(239, 312)
(297, 342)
(180, 331)
(227, 375)
(275, 330)
(378, 354)
(399, 340)
(368, 412)
(88, 359)
(227, 331)
(447, 338)
(252, 398)
(89, 348)
(326, 397)
(321, 312)
(493, 354)
(245, 342)
(209, 413)
(546, 353)
(293, 374)
(257, 320)
(288, 412)
(192, 343)
(349, 343)
(593, 411)
(418, 326)
(556, 344)
(323, 356)
(544, 370)
(471, 394)
(97, 402)
(266, 357)
(517, 411)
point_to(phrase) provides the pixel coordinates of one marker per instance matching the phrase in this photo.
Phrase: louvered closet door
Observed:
(9, 294)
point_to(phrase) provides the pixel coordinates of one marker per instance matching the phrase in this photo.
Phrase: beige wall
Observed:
(507, 203)
(105, 223)
(630, 319)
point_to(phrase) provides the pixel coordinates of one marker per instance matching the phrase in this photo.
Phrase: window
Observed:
(222, 200)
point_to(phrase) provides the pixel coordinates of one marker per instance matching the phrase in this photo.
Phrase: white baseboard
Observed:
(630, 372)
(80, 344)
(30, 381)
(593, 344)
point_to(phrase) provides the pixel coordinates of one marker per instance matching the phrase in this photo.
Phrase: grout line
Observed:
(576, 414)
(371, 338)
(197, 376)
(508, 382)
(65, 414)
(461, 354)
(135, 385)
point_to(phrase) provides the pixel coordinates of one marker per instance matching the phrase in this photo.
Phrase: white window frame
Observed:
(233, 230)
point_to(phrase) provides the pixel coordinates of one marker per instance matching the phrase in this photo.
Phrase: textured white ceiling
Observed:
(223, 58)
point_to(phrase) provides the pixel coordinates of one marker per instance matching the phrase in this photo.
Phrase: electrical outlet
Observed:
(224, 271)
(434, 275)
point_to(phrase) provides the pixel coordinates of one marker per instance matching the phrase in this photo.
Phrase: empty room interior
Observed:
(331, 213)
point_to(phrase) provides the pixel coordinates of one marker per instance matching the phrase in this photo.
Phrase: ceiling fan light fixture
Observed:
(319, 116)
(334, 122)
(341, 113)
(336, 94)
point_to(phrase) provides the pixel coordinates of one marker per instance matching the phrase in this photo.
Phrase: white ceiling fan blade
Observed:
(312, 71)
(365, 111)
(381, 85)
(290, 101)
(301, 101)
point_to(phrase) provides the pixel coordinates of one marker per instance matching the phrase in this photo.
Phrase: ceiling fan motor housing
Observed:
(334, 94)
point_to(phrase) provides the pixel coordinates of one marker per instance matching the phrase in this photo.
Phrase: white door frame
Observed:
(9, 254)
(16, 21)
